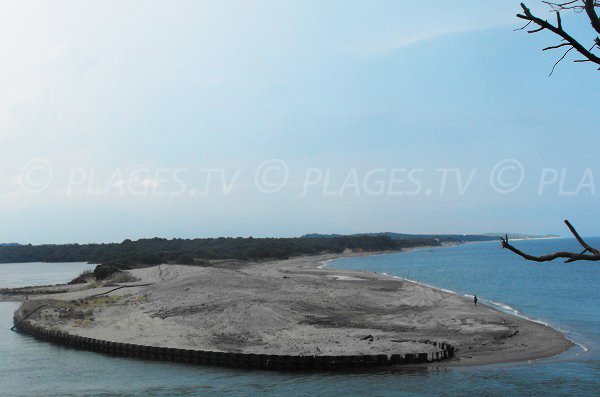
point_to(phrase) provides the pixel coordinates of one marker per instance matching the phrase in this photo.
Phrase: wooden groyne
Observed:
(236, 360)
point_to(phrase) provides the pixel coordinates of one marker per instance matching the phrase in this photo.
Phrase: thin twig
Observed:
(557, 62)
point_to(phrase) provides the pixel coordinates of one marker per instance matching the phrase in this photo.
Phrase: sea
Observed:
(564, 296)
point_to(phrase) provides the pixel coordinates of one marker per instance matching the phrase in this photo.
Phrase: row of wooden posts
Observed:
(237, 360)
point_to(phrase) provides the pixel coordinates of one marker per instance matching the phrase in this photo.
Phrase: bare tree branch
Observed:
(589, 6)
(568, 5)
(594, 254)
(591, 12)
(575, 5)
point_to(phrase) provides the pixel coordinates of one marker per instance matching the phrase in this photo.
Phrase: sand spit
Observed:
(293, 307)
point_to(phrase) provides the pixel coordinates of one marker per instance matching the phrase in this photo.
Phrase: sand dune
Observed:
(297, 307)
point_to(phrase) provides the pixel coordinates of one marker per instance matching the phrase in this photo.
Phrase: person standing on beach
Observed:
(475, 299)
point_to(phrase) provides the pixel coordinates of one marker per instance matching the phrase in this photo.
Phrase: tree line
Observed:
(188, 251)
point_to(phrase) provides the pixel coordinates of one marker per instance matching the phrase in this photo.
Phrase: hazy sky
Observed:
(129, 119)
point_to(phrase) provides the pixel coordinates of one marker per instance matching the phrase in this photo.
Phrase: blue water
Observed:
(38, 273)
(565, 296)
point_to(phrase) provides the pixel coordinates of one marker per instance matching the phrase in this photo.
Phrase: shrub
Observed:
(102, 272)
(84, 277)
(122, 277)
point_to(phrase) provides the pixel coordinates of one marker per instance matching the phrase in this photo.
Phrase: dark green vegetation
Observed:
(154, 251)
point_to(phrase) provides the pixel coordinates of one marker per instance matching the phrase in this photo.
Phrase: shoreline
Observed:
(499, 306)
(295, 307)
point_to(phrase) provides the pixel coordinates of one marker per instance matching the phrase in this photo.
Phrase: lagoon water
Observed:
(564, 296)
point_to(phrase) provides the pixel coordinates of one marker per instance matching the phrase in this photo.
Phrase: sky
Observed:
(132, 119)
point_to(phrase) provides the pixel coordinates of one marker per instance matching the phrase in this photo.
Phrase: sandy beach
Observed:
(293, 306)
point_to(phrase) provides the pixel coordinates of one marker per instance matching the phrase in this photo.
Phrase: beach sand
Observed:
(295, 306)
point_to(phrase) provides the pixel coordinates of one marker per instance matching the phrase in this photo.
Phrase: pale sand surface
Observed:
(296, 306)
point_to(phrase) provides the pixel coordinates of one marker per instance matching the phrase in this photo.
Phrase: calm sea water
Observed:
(565, 296)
